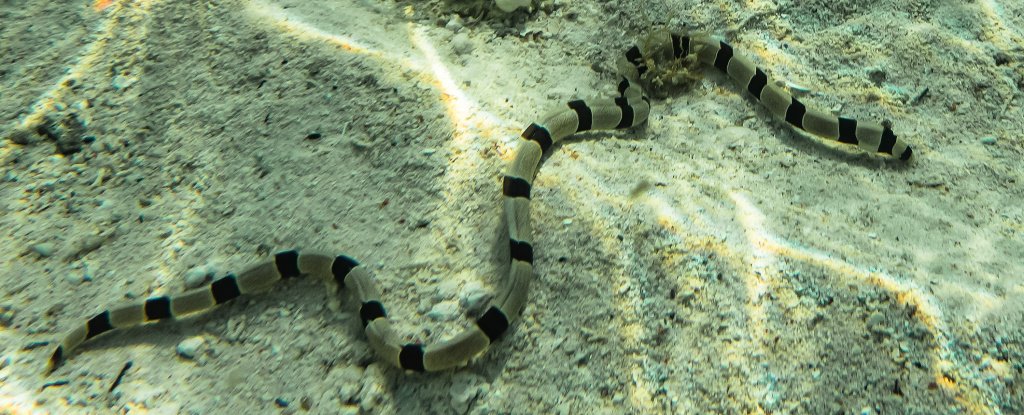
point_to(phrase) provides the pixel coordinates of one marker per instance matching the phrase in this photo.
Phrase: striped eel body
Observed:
(629, 109)
(867, 135)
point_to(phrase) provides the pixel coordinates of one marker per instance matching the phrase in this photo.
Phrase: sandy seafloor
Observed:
(711, 261)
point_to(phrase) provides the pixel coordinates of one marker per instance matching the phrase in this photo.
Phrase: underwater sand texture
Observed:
(712, 261)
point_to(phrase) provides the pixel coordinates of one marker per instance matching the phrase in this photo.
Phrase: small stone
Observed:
(988, 140)
(76, 278)
(797, 89)
(190, 346)
(446, 289)
(21, 136)
(461, 44)
(87, 244)
(642, 187)
(44, 249)
(349, 379)
(444, 311)
(120, 82)
(454, 24)
(877, 75)
(237, 376)
(737, 137)
(474, 297)
(770, 400)
(876, 323)
(685, 296)
(372, 392)
(465, 389)
(508, 6)
(6, 315)
(198, 276)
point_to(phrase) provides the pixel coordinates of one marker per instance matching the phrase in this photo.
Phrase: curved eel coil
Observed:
(629, 109)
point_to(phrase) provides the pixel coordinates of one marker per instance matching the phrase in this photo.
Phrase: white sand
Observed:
(713, 261)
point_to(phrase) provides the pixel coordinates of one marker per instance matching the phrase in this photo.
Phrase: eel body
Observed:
(629, 109)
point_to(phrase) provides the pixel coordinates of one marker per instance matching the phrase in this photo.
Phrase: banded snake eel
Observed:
(627, 110)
